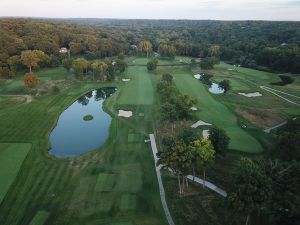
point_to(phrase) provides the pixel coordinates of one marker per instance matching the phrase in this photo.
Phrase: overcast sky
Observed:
(155, 9)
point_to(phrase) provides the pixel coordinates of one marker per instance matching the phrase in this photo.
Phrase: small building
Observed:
(63, 50)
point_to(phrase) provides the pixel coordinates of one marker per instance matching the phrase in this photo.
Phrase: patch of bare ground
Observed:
(261, 117)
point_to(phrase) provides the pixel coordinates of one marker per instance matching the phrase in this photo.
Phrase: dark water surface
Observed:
(72, 135)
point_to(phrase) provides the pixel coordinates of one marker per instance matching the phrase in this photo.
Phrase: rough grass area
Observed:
(128, 202)
(138, 91)
(105, 182)
(12, 156)
(40, 218)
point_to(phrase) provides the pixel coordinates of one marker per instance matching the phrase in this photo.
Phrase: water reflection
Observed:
(72, 135)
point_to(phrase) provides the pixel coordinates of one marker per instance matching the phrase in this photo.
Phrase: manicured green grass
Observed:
(57, 73)
(235, 84)
(40, 218)
(105, 182)
(128, 202)
(161, 61)
(66, 187)
(212, 111)
(133, 137)
(12, 156)
(138, 91)
(249, 73)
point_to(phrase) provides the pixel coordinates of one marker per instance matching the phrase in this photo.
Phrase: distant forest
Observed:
(256, 44)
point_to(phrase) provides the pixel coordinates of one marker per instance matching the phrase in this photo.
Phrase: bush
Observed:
(88, 117)
(55, 89)
(284, 80)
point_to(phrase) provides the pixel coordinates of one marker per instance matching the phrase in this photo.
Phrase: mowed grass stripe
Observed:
(40, 218)
(12, 156)
(105, 182)
(139, 90)
(30, 188)
(212, 111)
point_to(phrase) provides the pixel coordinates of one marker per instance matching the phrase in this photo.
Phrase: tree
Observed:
(207, 63)
(203, 154)
(285, 202)
(30, 80)
(152, 64)
(225, 85)
(287, 145)
(188, 135)
(121, 66)
(99, 68)
(178, 159)
(219, 140)
(67, 63)
(80, 65)
(214, 51)
(251, 189)
(145, 47)
(167, 77)
(32, 58)
(167, 51)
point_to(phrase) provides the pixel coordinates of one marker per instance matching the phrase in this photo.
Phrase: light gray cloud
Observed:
(155, 9)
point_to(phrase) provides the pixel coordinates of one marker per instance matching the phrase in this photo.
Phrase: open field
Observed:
(12, 156)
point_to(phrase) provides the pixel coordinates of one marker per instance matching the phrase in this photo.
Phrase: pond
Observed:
(73, 135)
(215, 89)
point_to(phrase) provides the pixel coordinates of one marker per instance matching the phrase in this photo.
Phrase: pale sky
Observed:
(155, 9)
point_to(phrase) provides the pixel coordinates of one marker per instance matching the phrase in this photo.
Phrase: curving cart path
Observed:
(160, 184)
(190, 177)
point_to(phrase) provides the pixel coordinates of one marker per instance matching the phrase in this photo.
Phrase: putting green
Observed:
(12, 156)
(212, 111)
(40, 218)
(139, 90)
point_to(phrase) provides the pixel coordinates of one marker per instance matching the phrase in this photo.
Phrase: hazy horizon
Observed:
(276, 10)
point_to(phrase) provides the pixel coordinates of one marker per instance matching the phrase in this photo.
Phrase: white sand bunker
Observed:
(205, 133)
(251, 95)
(200, 123)
(198, 76)
(126, 114)
(194, 109)
(126, 80)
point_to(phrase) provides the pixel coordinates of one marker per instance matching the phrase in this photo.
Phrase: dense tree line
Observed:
(250, 43)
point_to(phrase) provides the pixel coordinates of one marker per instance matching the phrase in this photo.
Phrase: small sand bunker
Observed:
(205, 133)
(194, 109)
(251, 95)
(126, 80)
(230, 69)
(126, 114)
(200, 123)
(198, 76)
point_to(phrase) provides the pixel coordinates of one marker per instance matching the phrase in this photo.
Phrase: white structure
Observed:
(251, 95)
(63, 50)
(126, 114)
